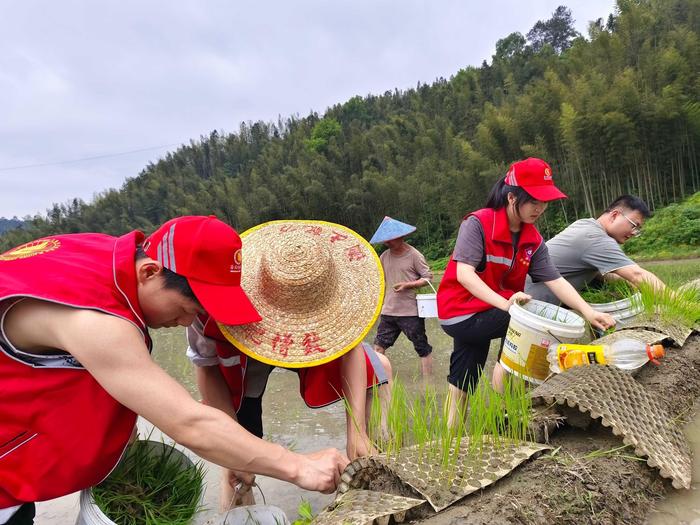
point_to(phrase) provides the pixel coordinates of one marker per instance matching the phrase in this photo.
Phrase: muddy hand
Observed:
(241, 481)
(519, 298)
(234, 492)
(237, 478)
(601, 320)
(360, 446)
(321, 470)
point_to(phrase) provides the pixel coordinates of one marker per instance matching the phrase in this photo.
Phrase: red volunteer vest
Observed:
(60, 431)
(504, 272)
(319, 385)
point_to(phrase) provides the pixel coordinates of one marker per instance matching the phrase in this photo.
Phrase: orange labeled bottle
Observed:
(627, 354)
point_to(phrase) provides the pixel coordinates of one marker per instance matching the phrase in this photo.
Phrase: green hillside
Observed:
(673, 233)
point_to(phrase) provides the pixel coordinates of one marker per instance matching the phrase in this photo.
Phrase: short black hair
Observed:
(630, 202)
(171, 280)
(498, 196)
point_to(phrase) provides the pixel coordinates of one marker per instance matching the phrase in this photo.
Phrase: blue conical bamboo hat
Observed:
(391, 229)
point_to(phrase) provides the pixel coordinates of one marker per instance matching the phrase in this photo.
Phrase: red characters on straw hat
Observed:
(355, 253)
(337, 236)
(281, 343)
(311, 343)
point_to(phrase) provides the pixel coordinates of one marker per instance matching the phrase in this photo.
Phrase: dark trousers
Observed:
(471, 341)
(250, 415)
(24, 515)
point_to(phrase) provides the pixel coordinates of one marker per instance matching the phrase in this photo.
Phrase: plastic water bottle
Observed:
(627, 354)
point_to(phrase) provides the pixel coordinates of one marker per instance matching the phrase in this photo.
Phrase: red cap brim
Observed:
(226, 304)
(545, 193)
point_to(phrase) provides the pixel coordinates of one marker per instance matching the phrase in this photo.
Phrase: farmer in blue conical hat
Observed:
(405, 270)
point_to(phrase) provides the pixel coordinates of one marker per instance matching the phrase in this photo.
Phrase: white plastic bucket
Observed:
(427, 303)
(533, 327)
(623, 311)
(90, 513)
(257, 514)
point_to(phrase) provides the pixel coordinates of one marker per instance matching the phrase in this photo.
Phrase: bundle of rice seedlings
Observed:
(421, 420)
(680, 307)
(608, 292)
(153, 484)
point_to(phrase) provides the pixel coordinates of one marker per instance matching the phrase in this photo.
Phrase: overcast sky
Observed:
(122, 82)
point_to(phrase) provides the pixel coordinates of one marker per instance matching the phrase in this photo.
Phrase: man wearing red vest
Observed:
(496, 248)
(75, 368)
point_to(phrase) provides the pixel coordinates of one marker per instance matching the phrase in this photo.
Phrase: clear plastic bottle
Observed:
(627, 354)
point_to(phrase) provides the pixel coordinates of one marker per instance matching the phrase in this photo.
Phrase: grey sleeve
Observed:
(201, 350)
(606, 255)
(542, 268)
(469, 247)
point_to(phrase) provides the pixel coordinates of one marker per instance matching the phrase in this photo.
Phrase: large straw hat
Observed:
(318, 286)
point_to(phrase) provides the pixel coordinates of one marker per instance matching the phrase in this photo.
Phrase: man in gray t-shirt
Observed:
(589, 248)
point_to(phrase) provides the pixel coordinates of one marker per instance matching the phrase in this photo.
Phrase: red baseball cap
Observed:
(207, 252)
(535, 177)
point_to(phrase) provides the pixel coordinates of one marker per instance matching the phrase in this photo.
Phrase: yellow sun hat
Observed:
(318, 286)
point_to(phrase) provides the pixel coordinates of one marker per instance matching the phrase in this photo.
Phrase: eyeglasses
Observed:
(636, 228)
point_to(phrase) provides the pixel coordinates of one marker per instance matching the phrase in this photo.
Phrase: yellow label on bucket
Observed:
(569, 355)
(535, 366)
(525, 354)
(536, 363)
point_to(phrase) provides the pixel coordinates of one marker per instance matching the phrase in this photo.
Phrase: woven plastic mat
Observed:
(644, 336)
(474, 468)
(365, 507)
(676, 333)
(633, 413)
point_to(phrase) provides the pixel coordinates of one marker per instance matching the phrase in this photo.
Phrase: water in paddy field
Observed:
(290, 422)
(683, 506)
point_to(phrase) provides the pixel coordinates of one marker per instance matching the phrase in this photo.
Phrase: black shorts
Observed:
(391, 326)
(24, 515)
(471, 341)
(249, 416)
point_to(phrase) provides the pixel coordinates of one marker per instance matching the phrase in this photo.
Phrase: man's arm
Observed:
(636, 275)
(406, 285)
(608, 258)
(212, 386)
(568, 295)
(113, 352)
(214, 390)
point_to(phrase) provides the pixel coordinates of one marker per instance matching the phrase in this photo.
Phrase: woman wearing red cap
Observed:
(496, 248)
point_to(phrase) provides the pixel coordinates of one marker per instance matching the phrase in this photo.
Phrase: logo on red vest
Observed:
(31, 249)
(526, 257)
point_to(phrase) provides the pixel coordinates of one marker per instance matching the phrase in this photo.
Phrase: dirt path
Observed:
(570, 488)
